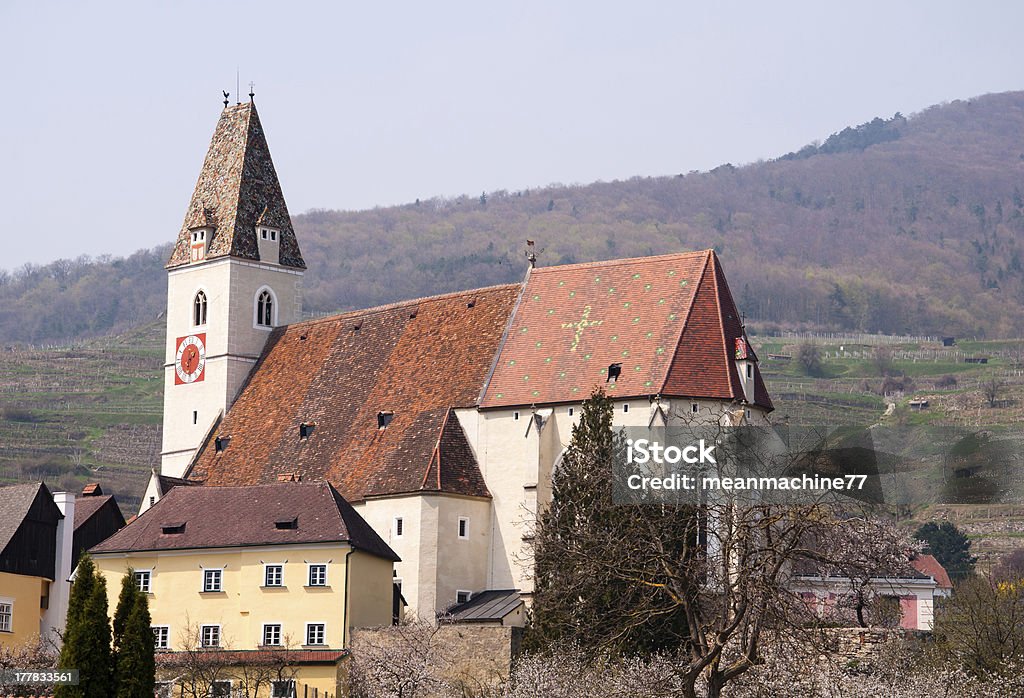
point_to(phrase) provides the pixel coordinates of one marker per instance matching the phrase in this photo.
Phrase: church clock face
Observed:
(190, 359)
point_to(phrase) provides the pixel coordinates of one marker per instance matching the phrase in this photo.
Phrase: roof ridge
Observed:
(376, 310)
(623, 262)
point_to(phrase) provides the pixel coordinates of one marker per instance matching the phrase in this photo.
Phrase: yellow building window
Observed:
(6, 616)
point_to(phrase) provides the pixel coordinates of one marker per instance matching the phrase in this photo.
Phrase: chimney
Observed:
(55, 615)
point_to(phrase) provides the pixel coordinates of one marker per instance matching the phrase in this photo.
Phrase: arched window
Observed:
(265, 309)
(199, 309)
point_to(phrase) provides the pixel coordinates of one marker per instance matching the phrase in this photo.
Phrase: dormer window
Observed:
(384, 418)
(287, 524)
(305, 429)
(172, 528)
(199, 309)
(200, 238)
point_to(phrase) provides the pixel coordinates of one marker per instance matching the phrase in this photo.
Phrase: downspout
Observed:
(344, 627)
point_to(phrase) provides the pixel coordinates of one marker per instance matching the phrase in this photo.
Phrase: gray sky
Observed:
(108, 107)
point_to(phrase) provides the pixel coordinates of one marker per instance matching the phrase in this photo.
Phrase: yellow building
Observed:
(35, 555)
(243, 578)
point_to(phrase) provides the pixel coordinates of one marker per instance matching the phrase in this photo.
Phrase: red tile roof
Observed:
(236, 190)
(670, 322)
(254, 657)
(418, 359)
(928, 565)
(227, 517)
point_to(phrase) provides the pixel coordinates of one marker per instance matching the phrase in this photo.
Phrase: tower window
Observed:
(750, 370)
(195, 416)
(625, 408)
(273, 235)
(265, 309)
(463, 527)
(199, 309)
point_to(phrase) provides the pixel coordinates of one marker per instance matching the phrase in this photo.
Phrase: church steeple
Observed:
(237, 194)
(234, 275)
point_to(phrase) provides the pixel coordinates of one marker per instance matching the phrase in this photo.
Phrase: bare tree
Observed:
(403, 661)
(195, 668)
(991, 389)
(33, 656)
(731, 580)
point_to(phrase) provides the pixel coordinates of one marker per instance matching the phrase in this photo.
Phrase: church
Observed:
(439, 419)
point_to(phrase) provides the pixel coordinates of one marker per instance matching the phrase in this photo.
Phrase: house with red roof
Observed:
(440, 419)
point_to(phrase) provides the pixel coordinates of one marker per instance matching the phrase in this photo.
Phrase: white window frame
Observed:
(469, 595)
(275, 308)
(750, 371)
(202, 635)
(229, 682)
(280, 635)
(289, 688)
(323, 631)
(165, 636)
(207, 588)
(515, 416)
(463, 530)
(266, 575)
(149, 580)
(398, 526)
(309, 575)
(8, 615)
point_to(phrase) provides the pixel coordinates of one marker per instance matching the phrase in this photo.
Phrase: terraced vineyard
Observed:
(912, 382)
(87, 413)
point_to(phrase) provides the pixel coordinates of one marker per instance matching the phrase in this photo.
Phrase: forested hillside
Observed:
(897, 225)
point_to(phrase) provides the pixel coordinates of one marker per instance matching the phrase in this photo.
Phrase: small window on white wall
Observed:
(750, 370)
(625, 408)
(463, 527)
(399, 527)
(199, 309)
(694, 407)
(265, 309)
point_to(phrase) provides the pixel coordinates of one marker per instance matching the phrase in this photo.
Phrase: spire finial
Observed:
(252, 90)
(226, 95)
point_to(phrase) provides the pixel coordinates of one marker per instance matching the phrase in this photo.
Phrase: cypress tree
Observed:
(136, 666)
(583, 537)
(70, 653)
(125, 604)
(95, 659)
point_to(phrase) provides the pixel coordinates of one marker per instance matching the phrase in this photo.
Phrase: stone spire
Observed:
(238, 189)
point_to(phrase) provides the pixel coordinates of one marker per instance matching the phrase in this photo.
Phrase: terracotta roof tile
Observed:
(670, 322)
(928, 565)
(238, 188)
(417, 359)
(225, 517)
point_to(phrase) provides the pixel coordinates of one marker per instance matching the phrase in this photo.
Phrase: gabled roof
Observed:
(928, 565)
(418, 359)
(238, 188)
(86, 507)
(669, 321)
(227, 517)
(15, 504)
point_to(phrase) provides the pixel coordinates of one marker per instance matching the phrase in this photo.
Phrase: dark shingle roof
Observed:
(85, 507)
(238, 188)
(670, 322)
(486, 607)
(15, 502)
(225, 517)
(417, 359)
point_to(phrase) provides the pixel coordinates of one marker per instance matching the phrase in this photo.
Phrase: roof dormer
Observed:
(199, 243)
(268, 240)
(745, 362)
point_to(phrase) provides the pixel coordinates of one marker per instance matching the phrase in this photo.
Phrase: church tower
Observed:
(234, 274)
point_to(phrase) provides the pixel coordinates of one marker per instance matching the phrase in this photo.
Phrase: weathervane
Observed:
(252, 90)
(532, 253)
(226, 95)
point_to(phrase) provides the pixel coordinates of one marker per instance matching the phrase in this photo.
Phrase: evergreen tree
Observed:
(582, 535)
(87, 636)
(125, 604)
(135, 665)
(950, 546)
